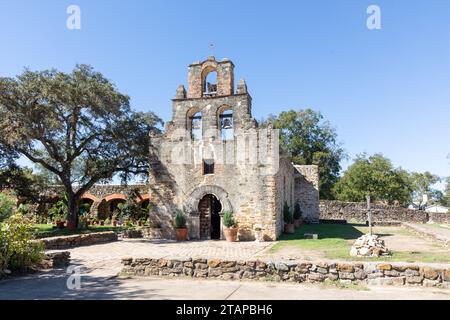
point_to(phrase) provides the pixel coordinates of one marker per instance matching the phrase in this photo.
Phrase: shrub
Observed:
(228, 220)
(7, 206)
(287, 214)
(17, 250)
(59, 211)
(297, 211)
(180, 220)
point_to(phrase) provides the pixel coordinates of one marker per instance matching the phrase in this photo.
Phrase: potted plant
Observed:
(114, 220)
(257, 230)
(288, 219)
(180, 226)
(297, 215)
(59, 213)
(230, 231)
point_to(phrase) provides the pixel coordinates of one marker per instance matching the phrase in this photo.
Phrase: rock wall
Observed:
(439, 217)
(76, 240)
(307, 191)
(367, 273)
(55, 260)
(338, 210)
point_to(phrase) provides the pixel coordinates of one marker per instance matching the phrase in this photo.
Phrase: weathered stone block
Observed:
(344, 267)
(315, 277)
(322, 270)
(346, 275)
(430, 283)
(414, 279)
(429, 273)
(387, 281)
(384, 266)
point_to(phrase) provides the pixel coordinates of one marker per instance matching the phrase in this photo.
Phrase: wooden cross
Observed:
(369, 215)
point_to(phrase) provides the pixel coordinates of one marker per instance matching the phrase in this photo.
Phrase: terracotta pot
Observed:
(102, 223)
(181, 234)
(289, 228)
(114, 223)
(230, 234)
(71, 226)
(297, 223)
(60, 224)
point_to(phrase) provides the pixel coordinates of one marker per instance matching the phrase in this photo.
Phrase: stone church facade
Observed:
(213, 157)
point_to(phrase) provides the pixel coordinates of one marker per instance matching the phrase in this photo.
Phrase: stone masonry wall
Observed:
(338, 210)
(65, 242)
(439, 217)
(307, 191)
(366, 273)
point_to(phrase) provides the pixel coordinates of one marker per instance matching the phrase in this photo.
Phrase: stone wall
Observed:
(366, 273)
(338, 210)
(250, 177)
(55, 260)
(307, 191)
(439, 217)
(76, 240)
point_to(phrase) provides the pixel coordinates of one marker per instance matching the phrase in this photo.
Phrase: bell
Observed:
(226, 124)
(195, 124)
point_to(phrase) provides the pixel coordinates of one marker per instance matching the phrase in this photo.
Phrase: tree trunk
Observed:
(72, 206)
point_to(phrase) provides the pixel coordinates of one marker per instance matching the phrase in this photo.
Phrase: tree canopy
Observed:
(78, 126)
(311, 140)
(422, 184)
(374, 176)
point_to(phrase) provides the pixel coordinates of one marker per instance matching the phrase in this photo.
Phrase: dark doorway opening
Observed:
(209, 208)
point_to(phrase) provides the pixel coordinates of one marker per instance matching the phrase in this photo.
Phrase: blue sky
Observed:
(384, 90)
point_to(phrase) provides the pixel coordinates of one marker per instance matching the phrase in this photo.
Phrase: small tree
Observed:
(287, 214)
(7, 206)
(77, 126)
(17, 251)
(297, 212)
(180, 220)
(228, 220)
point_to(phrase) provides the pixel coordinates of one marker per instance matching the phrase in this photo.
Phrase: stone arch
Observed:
(90, 197)
(115, 196)
(208, 68)
(194, 113)
(200, 192)
(225, 113)
(142, 198)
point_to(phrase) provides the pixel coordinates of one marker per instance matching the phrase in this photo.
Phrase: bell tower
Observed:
(211, 107)
(199, 87)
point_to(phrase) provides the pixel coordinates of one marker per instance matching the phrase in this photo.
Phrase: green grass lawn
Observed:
(336, 240)
(47, 230)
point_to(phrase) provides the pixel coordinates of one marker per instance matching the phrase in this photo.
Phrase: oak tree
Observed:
(76, 125)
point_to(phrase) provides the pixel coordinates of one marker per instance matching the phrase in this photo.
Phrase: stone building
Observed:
(214, 157)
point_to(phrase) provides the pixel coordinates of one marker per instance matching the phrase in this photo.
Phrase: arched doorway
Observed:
(209, 208)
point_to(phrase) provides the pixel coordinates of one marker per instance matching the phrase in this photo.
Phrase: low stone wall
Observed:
(439, 217)
(55, 260)
(339, 210)
(368, 273)
(76, 240)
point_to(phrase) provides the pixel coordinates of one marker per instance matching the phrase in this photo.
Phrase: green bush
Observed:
(180, 220)
(7, 206)
(228, 220)
(17, 251)
(287, 214)
(297, 211)
(59, 211)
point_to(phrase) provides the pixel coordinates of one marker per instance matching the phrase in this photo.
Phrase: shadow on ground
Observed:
(53, 285)
(325, 231)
